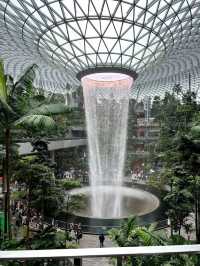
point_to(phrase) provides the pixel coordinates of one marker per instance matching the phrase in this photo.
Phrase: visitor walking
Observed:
(78, 236)
(101, 239)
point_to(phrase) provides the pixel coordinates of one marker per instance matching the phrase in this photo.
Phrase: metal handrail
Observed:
(99, 252)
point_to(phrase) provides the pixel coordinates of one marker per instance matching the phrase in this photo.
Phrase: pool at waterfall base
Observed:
(136, 200)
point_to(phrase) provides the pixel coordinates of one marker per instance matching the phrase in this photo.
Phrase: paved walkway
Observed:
(92, 241)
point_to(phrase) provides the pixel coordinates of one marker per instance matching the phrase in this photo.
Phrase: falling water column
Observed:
(106, 98)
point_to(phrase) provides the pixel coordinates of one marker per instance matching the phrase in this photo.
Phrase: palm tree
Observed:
(131, 234)
(13, 113)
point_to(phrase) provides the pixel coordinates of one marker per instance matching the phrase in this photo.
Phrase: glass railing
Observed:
(74, 257)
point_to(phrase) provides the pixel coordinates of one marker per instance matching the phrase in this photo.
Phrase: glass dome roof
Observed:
(158, 39)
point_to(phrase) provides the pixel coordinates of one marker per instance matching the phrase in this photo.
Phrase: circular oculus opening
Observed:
(107, 76)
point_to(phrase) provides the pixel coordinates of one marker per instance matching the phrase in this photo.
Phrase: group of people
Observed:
(75, 235)
(138, 176)
(19, 215)
(74, 232)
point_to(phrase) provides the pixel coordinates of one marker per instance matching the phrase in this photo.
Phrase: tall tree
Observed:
(40, 188)
(179, 153)
(14, 112)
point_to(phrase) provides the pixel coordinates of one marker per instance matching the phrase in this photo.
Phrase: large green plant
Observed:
(178, 153)
(41, 190)
(131, 234)
(15, 112)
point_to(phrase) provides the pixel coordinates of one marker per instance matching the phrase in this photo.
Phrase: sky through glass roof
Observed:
(159, 39)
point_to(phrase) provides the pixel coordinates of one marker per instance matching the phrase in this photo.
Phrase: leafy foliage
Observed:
(130, 234)
(51, 109)
(70, 184)
(178, 150)
(36, 121)
(15, 106)
(42, 190)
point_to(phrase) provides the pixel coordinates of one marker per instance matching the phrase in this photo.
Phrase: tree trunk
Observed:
(42, 212)
(197, 216)
(7, 229)
(179, 229)
(28, 219)
(171, 228)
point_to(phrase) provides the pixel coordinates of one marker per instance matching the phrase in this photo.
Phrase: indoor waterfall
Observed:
(106, 99)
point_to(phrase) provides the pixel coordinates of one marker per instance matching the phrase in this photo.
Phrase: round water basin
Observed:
(132, 201)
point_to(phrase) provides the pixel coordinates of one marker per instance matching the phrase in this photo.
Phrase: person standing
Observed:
(78, 236)
(101, 239)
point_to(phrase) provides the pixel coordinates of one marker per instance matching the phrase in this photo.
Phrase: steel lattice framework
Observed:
(159, 39)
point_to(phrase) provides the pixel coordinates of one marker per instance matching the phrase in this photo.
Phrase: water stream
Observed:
(106, 107)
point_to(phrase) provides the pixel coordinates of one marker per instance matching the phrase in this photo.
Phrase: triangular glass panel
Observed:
(110, 43)
(92, 11)
(96, 25)
(150, 22)
(125, 8)
(102, 47)
(134, 62)
(118, 26)
(106, 11)
(140, 54)
(76, 50)
(109, 61)
(103, 57)
(88, 48)
(59, 52)
(129, 35)
(49, 35)
(56, 10)
(68, 9)
(137, 31)
(176, 6)
(78, 10)
(152, 7)
(93, 58)
(75, 27)
(67, 48)
(84, 6)
(141, 19)
(83, 60)
(129, 51)
(147, 53)
(104, 25)
(125, 45)
(73, 34)
(143, 39)
(110, 32)
(83, 25)
(59, 33)
(114, 57)
(137, 48)
(112, 6)
(94, 42)
(91, 32)
(80, 45)
(118, 12)
(78, 63)
(125, 59)
(117, 48)
(37, 17)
